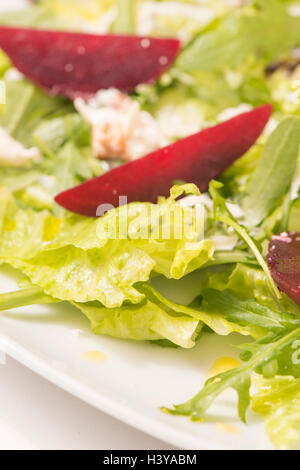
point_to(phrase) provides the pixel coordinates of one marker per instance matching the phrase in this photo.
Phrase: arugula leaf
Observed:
(273, 175)
(249, 282)
(263, 356)
(216, 321)
(223, 215)
(249, 312)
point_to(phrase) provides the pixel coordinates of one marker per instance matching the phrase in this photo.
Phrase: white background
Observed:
(35, 414)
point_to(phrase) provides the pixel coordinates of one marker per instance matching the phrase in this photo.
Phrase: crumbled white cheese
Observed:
(14, 154)
(233, 112)
(233, 78)
(202, 200)
(151, 12)
(294, 10)
(182, 121)
(47, 181)
(205, 200)
(225, 242)
(235, 210)
(13, 75)
(120, 130)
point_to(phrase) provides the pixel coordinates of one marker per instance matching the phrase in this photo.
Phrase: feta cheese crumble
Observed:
(152, 13)
(120, 129)
(230, 113)
(13, 153)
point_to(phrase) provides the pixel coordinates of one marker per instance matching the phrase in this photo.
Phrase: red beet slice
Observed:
(196, 159)
(284, 262)
(73, 64)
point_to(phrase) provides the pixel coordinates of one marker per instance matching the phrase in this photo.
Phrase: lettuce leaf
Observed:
(22, 232)
(83, 260)
(277, 400)
(167, 232)
(125, 21)
(26, 105)
(215, 320)
(264, 30)
(107, 275)
(249, 282)
(151, 320)
(64, 141)
(294, 218)
(73, 15)
(154, 318)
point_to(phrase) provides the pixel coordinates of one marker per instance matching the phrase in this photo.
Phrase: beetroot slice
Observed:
(196, 159)
(73, 64)
(284, 262)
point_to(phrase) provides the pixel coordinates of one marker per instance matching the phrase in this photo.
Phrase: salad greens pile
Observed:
(236, 55)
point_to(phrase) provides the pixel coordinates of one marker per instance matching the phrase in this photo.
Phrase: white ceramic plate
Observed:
(133, 380)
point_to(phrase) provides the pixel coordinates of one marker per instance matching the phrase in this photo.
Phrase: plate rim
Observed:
(101, 401)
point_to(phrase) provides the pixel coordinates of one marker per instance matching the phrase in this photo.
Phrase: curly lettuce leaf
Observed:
(84, 260)
(277, 400)
(106, 274)
(23, 232)
(169, 234)
(151, 320)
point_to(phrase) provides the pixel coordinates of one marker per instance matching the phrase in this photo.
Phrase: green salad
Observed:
(235, 56)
